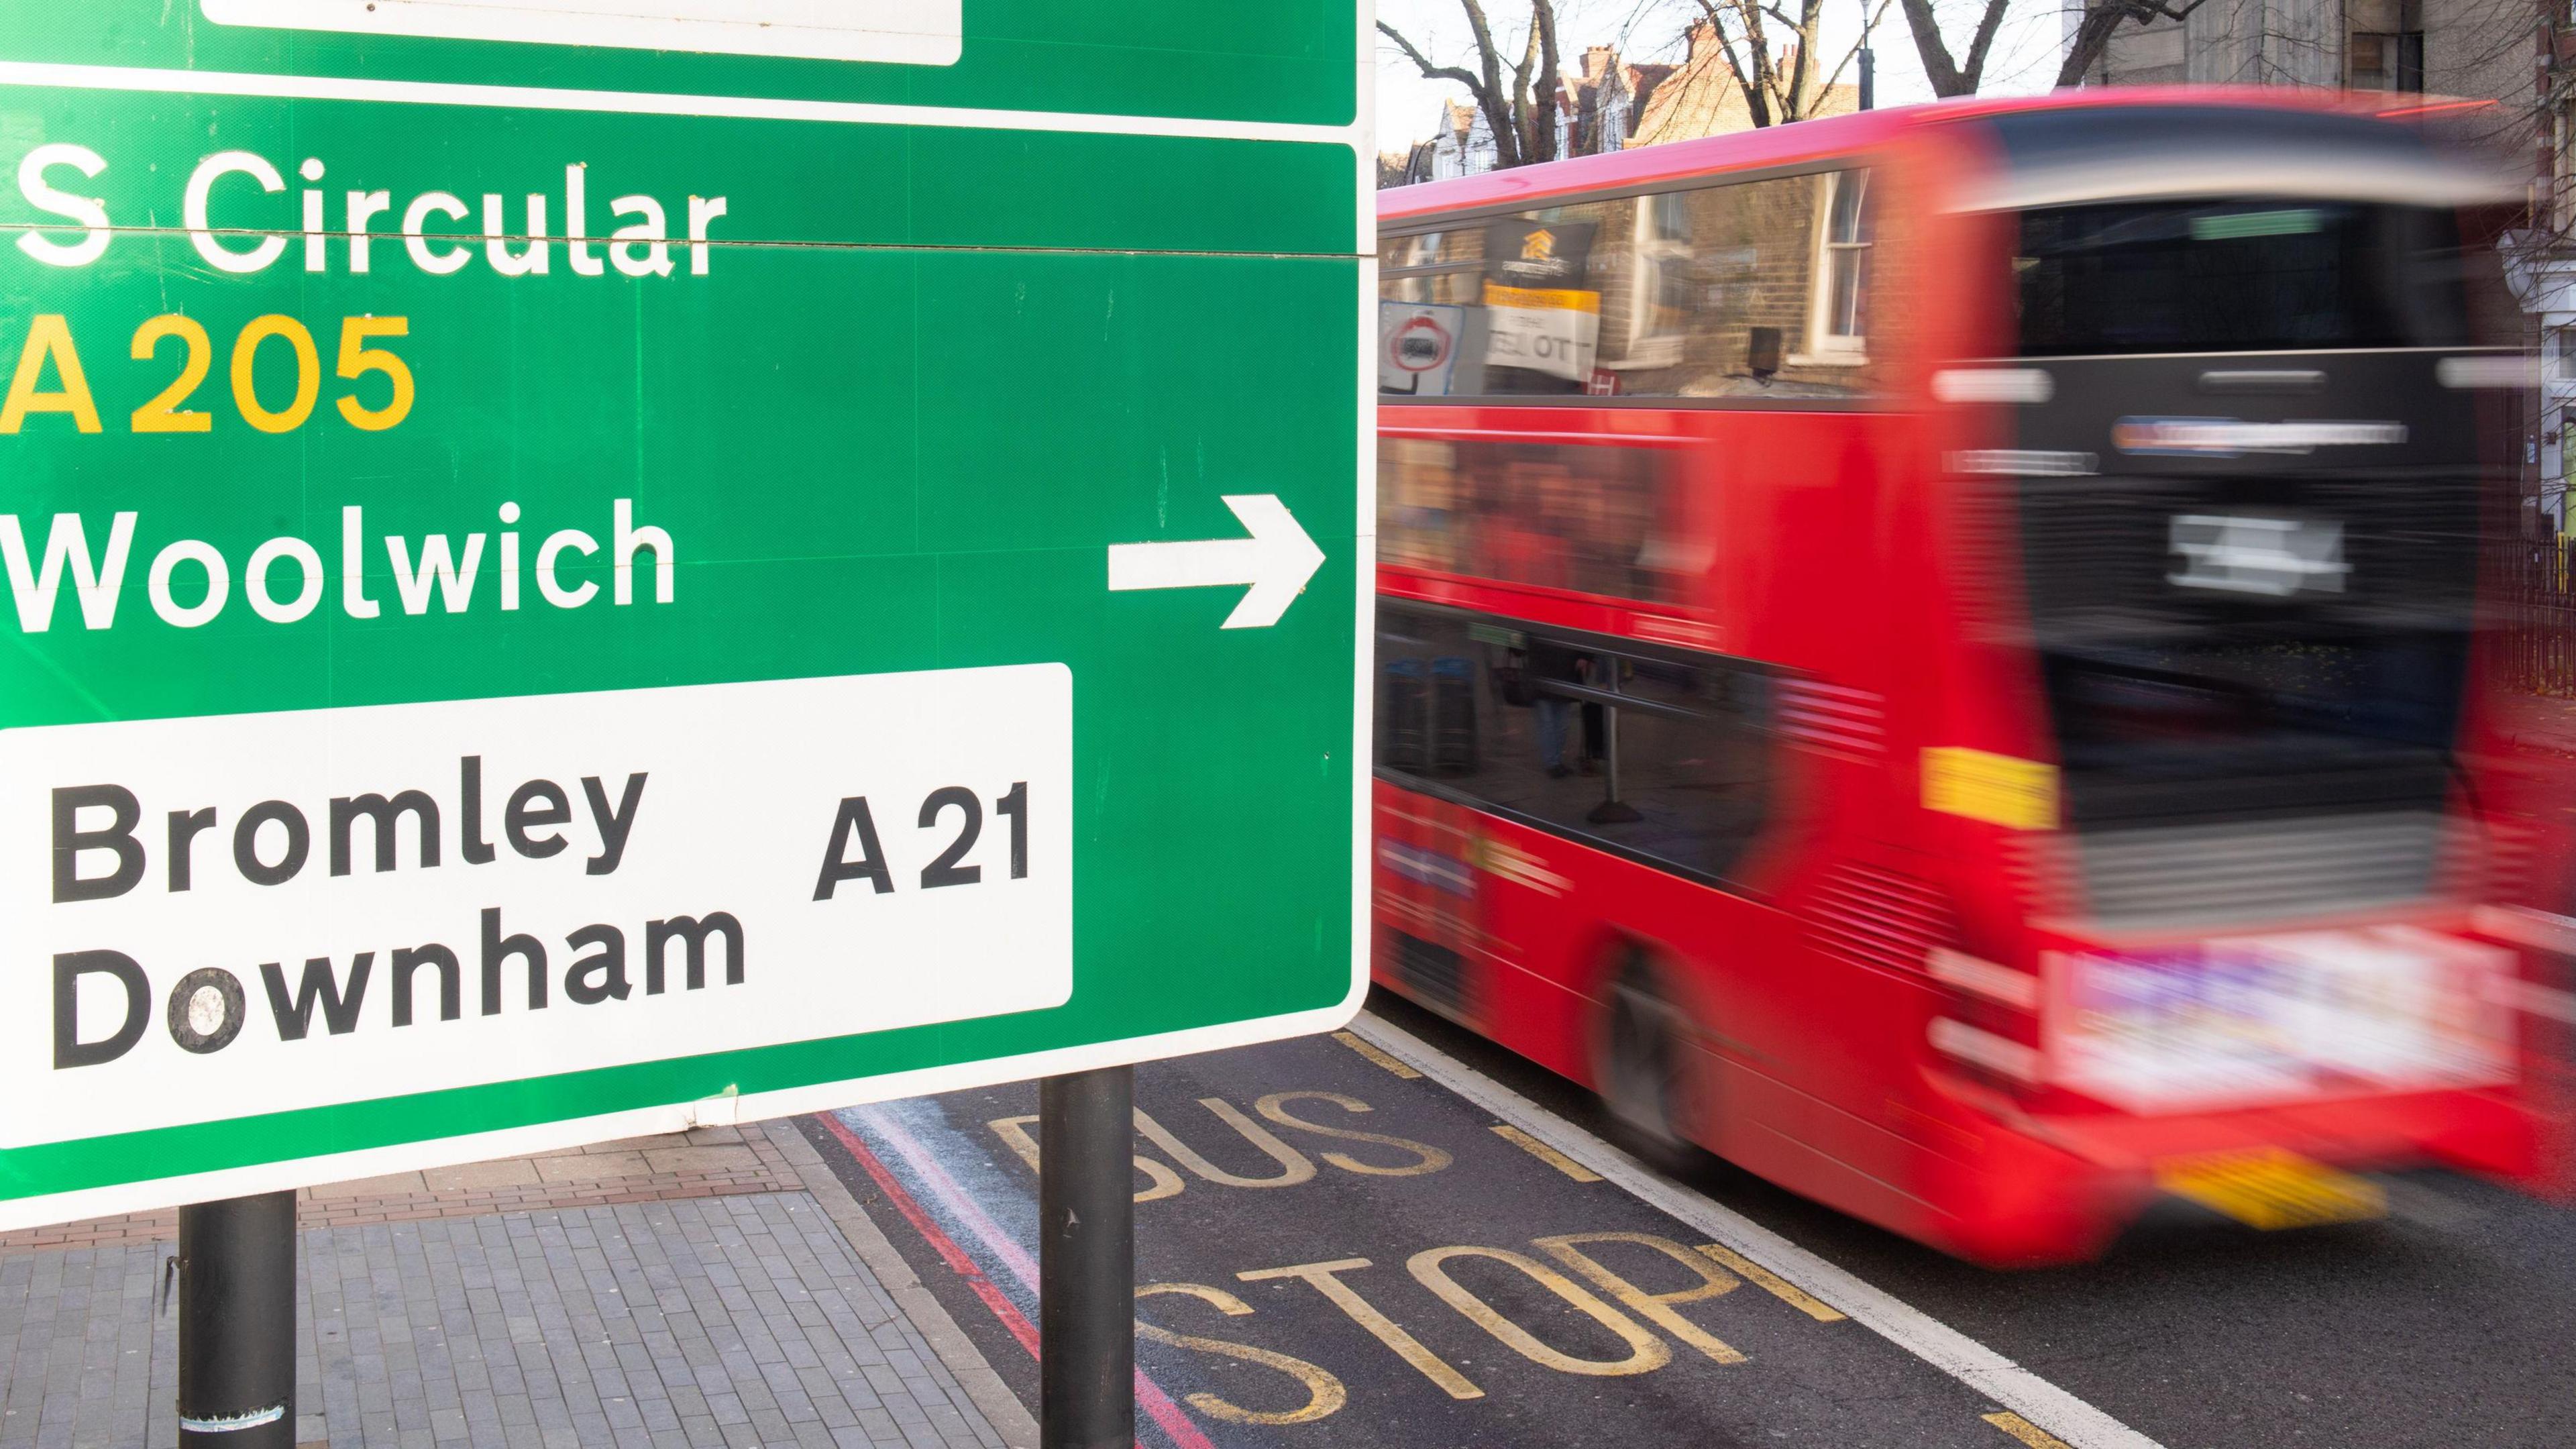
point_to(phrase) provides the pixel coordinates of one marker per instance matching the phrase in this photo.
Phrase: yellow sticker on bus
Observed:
(1998, 789)
(1542, 299)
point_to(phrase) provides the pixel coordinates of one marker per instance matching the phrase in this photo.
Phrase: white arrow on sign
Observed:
(1276, 560)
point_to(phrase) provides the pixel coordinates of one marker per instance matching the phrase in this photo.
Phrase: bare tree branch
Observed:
(1551, 64)
(1518, 101)
(1497, 107)
(1753, 71)
(1537, 131)
(1800, 84)
(2102, 18)
(1982, 43)
(1786, 83)
(1756, 102)
(1938, 67)
(1422, 62)
(1948, 76)
(1834, 77)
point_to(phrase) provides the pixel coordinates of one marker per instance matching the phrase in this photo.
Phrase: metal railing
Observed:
(2534, 593)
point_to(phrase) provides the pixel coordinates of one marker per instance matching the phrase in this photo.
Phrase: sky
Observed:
(2024, 60)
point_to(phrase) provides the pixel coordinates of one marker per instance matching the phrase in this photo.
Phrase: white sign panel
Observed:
(1556, 337)
(1417, 347)
(911, 32)
(251, 913)
(2245, 1020)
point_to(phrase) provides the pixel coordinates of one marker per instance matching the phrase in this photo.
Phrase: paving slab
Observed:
(727, 1291)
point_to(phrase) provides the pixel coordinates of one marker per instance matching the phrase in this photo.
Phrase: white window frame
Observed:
(2562, 199)
(1825, 347)
(1648, 348)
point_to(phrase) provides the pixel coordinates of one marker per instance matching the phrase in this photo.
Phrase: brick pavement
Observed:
(704, 1162)
(714, 1290)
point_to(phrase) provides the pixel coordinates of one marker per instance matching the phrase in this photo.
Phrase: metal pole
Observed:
(1612, 810)
(1610, 739)
(1868, 61)
(237, 1323)
(1087, 1260)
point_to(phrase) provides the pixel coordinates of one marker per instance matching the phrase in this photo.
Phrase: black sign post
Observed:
(1087, 1260)
(237, 1323)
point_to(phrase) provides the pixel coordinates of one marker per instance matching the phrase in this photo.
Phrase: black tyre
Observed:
(1647, 1079)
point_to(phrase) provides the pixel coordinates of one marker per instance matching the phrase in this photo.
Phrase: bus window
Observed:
(1592, 519)
(2237, 276)
(1665, 758)
(1752, 290)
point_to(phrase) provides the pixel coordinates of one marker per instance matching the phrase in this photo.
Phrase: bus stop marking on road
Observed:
(2024, 1430)
(1545, 1153)
(2077, 1424)
(1361, 1044)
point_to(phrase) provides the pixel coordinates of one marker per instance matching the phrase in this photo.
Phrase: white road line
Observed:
(2000, 1379)
(651, 103)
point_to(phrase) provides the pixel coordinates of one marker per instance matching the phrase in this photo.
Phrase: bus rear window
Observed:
(2237, 276)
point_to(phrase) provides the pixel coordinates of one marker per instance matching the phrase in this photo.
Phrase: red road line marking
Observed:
(1169, 1415)
(946, 1247)
(1157, 1404)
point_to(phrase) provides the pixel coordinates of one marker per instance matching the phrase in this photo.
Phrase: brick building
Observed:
(1607, 105)
(2476, 48)
(1461, 144)
(1599, 108)
(1701, 97)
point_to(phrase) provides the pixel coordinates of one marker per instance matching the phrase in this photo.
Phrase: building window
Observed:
(1839, 328)
(2562, 180)
(1661, 311)
(2388, 60)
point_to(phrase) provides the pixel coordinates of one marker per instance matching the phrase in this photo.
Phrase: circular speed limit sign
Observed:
(1419, 344)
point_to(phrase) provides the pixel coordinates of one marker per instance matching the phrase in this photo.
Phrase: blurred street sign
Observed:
(579, 569)
(1418, 347)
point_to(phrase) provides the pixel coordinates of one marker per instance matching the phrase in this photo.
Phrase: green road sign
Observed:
(580, 568)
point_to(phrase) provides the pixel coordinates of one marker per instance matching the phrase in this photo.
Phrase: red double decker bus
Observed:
(1936, 654)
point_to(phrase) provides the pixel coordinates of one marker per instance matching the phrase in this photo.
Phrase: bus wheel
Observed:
(1644, 1071)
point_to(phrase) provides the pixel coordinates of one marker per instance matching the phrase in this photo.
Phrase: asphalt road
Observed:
(1443, 1283)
